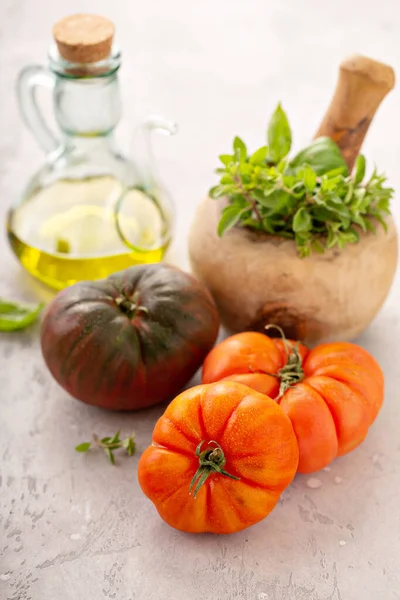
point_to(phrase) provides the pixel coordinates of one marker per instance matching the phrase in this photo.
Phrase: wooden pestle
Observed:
(362, 85)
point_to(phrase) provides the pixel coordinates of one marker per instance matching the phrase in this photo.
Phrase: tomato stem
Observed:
(292, 372)
(130, 306)
(211, 460)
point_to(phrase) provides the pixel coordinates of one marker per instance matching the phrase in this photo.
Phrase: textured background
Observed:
(72, 527)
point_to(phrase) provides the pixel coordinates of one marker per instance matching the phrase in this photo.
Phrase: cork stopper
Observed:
(84, 38)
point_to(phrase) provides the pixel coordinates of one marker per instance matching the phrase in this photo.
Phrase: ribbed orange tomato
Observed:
(220, 457)
(331, 394)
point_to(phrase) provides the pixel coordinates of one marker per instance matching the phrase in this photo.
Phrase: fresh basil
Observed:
(311, 198)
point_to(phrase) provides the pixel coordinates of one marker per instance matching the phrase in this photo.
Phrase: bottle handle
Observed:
(28, 81)
(145, 157)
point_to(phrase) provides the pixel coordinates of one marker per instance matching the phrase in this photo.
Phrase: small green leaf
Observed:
(355, 234)
(340, 210)
(289, 181)
(226, 159)
(360, 221)
(289, 235)
(321, 213)
(322, 155)
(276, 200)
(259, 156)
(240, 149)
(84, 447)
(216, 192)
(260, 196)
(302, 220)
(240, 201)
(330, 183)
(309, 178)
(279, 136)
(14, 316)
(359, 169)
(303, 241)
(359, 203)
(110, 455)
(317, 247)
(267, 225)
(382, 221)
(370, 226)
(349, 194)
(333, 173)
(105, 440)
(281, 166)
(230, 216)
(115, 439)
(332, 239)
(226, 179)
(341, 241)
(129, 445)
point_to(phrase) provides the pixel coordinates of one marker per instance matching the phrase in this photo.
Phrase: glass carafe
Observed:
(89, 211)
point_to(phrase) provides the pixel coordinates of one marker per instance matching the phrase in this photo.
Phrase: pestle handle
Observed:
(362, 85)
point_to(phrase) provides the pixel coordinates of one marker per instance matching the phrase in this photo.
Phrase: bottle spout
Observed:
(142, 149)
(160, 124)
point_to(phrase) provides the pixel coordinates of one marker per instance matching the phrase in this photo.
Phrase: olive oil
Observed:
(86, 228)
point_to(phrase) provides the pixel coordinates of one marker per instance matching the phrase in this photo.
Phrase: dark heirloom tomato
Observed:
(129, 341)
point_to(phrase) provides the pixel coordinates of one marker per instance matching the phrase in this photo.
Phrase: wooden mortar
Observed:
(257, 278)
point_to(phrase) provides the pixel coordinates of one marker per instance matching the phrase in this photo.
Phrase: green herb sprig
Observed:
(311, 198)
(14, 316)
(109, 444)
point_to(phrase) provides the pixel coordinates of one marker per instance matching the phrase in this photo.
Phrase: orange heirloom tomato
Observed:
(331, 394)
(220, 457)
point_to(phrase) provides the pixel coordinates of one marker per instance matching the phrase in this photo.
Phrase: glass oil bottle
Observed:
(89, 211)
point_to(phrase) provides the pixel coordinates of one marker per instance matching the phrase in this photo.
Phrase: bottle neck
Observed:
(88, 144)
(87, 108)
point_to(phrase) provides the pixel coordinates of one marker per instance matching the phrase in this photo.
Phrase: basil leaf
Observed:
(216, 192)
(302, 220)
(381, 220)
(240, 149)
(370, 226)
(115, 439)
(83, 447)
(279, 136)
(359, 169)
(309, 178)
(321, 213)
(318, 247)
(14, 316)
(259, 156)
(129, 445)
(323, 155)
(276, 200)
(110, 455)
(226, 159)
(230, 216)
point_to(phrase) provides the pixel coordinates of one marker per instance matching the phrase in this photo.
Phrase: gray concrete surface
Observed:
(75, 528)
